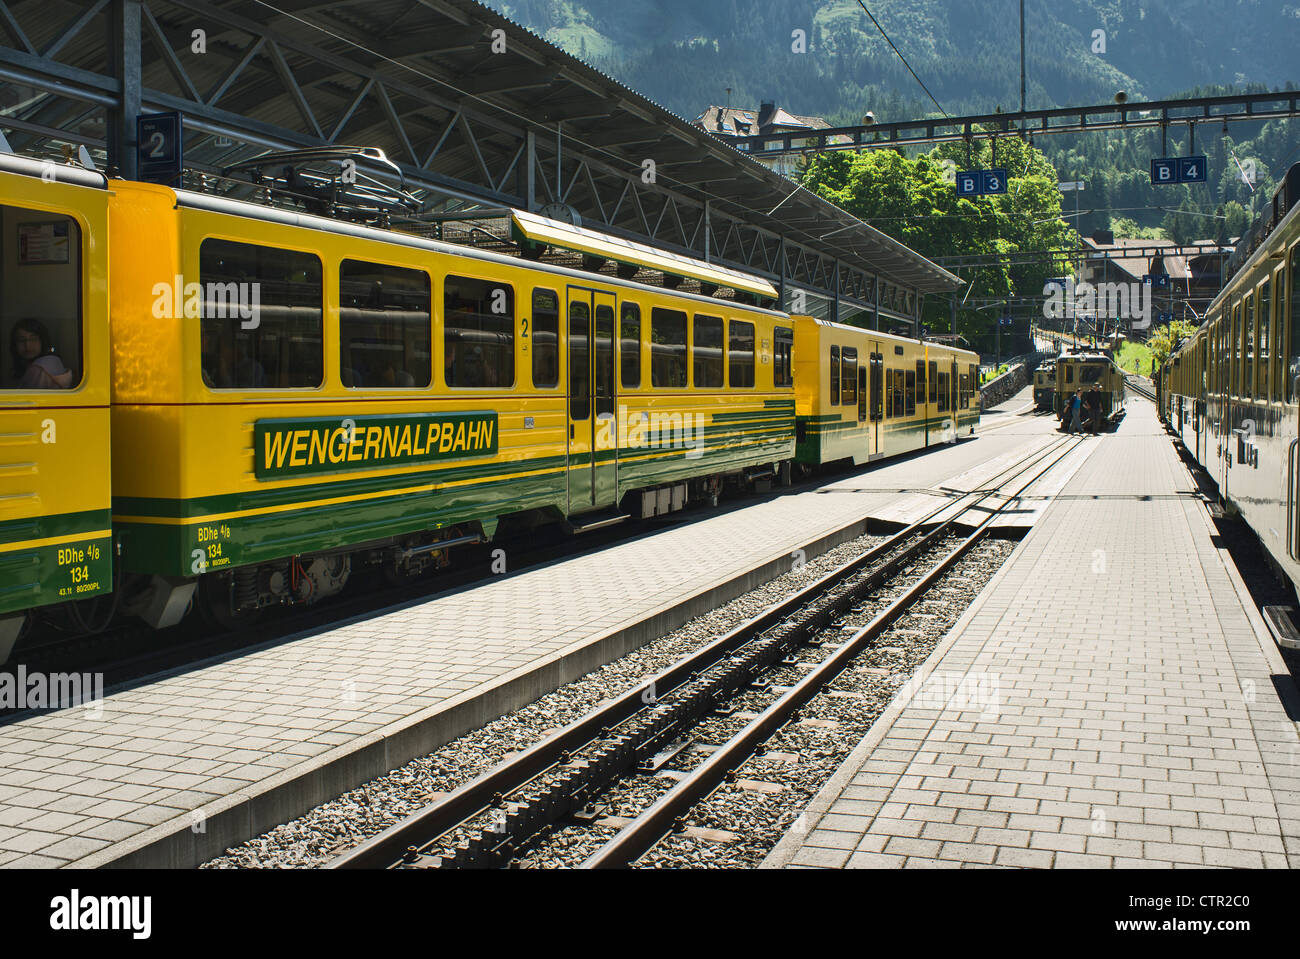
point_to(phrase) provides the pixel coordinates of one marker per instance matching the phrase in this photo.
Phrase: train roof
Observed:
(891, 337)
(1085, 357)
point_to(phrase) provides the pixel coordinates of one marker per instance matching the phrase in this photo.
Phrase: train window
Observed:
(1069, 373)
(1248, 347)
(579, 360)
(944, 387)
(835, 376)
(629, 346)
(849, 381)
(284, 350)
(1278, 375)
(783, 357)
(920, 382)
(900, 394)
(384, 327)
(1235, 351)
(602, 341)
(1293, 296)
(972, 374)
(667, 348)
(933, 381)
(1265, 347)
(478, 333)
(40, 286)
(740, 354)
(877, 388)
(909, 391)
(708, 352)
(963, 390)
(546, 339)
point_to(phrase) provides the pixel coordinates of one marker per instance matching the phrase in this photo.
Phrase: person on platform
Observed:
(35, 364)
(1074, 412)
(1093, 402)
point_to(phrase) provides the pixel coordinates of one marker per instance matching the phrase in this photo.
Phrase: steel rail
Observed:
(635, 839)
(1140, 389)
(401, 841)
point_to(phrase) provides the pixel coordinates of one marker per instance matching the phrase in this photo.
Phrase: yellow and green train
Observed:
(1045, 386)
(225, 401)
(1084, 372)
(862, 395)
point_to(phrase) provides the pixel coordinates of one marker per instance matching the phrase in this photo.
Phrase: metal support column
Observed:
(124, 42)
(780, 281)
(835, 303)
(529, 187)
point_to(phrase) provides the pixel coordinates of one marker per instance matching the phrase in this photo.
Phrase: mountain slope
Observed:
(685, 53)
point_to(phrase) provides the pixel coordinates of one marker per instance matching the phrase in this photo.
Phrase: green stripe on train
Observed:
(231, 541)
(53, 526)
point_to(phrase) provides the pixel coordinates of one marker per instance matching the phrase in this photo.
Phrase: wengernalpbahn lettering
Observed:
(301, 447)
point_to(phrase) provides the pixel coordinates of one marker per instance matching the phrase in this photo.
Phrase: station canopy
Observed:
(478, 113)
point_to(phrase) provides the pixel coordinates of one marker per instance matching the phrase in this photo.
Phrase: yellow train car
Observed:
(55, 535)
(296, 396)
(863, 395)
(1083, 372)
(1045, 386)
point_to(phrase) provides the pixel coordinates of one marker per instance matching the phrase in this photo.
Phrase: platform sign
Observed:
(1174, 170)
(1159, 281)
(158, 146)
(981, 182)
(1193, 170)
(995, 181)
(1164, 172)
(1004, 320)
(1164, 317)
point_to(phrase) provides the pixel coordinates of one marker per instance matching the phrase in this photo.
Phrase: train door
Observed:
(877, 411)
(922, 397)
(593, 424)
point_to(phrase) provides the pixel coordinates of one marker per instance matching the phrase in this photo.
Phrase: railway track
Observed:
(489, 821)
(1139, 389)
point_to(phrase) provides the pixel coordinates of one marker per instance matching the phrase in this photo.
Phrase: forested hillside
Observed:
(684, 54)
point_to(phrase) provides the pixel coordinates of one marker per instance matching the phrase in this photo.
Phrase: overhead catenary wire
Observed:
(904, 59)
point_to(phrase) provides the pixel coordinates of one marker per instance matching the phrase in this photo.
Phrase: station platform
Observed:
(177, 768)
(1112, 699)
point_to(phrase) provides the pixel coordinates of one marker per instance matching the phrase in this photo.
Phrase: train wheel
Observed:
(214, 597)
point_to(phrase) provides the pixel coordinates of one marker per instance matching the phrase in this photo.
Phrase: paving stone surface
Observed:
(1118, 704)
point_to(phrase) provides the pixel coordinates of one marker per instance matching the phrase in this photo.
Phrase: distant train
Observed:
(1231, 391)
(1045, 386)
(1084, 371)
(214, 403)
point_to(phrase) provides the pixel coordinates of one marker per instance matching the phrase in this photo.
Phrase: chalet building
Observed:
(730, 122)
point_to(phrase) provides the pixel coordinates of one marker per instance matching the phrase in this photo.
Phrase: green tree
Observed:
(913, 200)
(1166, 338)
